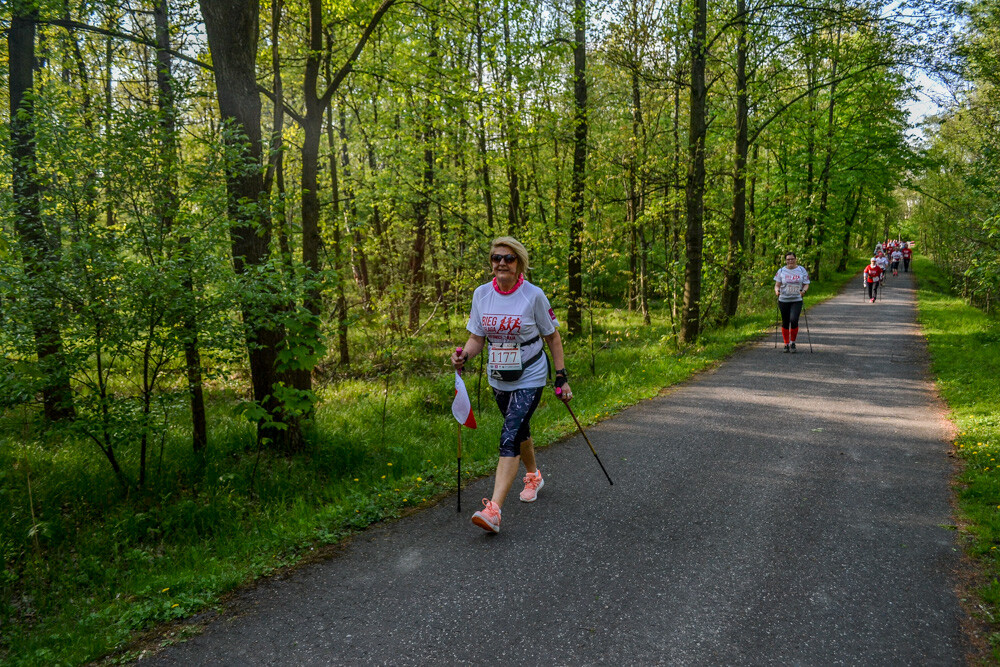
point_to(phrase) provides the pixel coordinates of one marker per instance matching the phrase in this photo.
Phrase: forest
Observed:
(233, 233)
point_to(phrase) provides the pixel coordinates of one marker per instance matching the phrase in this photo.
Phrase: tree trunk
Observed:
(673, 190)
(752, 205)
(169, 158)
(422, 213)
(338, 256)
(276, 162)
(574, 321)
(312, 129)
(810, 159)
(359, 258)
(828, 161)
(735, 261)
(484, 167)
(695, 191)
(509, 125)
(231, 26)
(637, 188)
(845, 247)
(39, 247)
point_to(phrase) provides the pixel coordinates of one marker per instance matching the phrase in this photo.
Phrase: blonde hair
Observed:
(517, 247)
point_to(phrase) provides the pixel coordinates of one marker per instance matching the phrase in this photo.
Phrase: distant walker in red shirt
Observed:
(873, 278)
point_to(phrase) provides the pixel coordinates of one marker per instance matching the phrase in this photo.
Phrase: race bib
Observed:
(791, 289)
(504, 357)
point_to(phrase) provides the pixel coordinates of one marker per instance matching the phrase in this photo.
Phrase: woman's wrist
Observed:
(561, 378)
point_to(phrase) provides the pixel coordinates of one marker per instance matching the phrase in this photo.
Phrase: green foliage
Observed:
(956, 205)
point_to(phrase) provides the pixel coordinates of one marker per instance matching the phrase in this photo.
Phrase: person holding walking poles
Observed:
(513, 319)
(873, 278)
(790, 283)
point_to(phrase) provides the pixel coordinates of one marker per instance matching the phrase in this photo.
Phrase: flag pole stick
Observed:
(584, 434)
(459, 485)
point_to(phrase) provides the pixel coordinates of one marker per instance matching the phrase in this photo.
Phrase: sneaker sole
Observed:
(535, 497)
(484, 524)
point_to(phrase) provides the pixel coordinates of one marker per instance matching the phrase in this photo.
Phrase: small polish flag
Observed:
(461, 407)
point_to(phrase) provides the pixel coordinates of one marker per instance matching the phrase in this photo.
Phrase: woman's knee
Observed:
(510, 448)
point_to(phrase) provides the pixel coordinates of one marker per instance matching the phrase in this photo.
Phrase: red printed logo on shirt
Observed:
(501, 324)
(552, 314)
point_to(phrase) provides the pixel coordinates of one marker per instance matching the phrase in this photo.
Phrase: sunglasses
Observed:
(510, 259)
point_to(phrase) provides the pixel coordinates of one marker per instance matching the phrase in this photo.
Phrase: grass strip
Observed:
(86, 571)
(964, 346)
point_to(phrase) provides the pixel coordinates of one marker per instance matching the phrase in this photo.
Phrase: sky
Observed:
(925, 104)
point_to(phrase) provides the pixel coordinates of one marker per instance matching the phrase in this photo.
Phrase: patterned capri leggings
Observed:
(516, 407)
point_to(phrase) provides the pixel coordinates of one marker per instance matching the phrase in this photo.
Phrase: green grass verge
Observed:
(965, 359)
(87, 571)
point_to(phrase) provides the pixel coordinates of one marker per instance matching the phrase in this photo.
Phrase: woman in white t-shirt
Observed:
(790, 283)
(516, 319)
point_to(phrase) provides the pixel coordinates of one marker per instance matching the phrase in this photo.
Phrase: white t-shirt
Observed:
(896, 255)
(517, 317)
(790, 282)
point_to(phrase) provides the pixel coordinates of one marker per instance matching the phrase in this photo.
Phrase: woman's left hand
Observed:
(565, 393)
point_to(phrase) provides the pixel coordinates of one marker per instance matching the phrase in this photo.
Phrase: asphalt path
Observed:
(786, 509)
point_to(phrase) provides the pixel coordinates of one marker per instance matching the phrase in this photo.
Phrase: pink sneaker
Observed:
(533, 483)
(488, 518)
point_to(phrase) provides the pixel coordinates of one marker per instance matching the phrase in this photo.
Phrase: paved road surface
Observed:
(783, 509)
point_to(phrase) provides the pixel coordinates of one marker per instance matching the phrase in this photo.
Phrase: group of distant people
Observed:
(887, 257)
(791, 282)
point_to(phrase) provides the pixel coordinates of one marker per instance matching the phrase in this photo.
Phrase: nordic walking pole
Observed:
(776, 325)
(459, 484)
(584, 434)
(808, 333)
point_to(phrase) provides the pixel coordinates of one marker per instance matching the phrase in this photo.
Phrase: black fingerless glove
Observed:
(560, 378)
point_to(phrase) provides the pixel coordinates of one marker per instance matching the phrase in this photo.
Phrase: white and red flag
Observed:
(461, 407)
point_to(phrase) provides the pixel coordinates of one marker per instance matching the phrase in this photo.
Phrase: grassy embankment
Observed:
(965, 358)
(87, 570)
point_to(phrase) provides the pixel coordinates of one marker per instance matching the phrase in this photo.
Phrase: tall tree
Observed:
(574, 318)
(735, 260)
(232, 27)
(39, 246)
(316, 105)
(169, 201)
(695, 192)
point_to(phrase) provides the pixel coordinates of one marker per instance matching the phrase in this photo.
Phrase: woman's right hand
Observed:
(458, 359)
